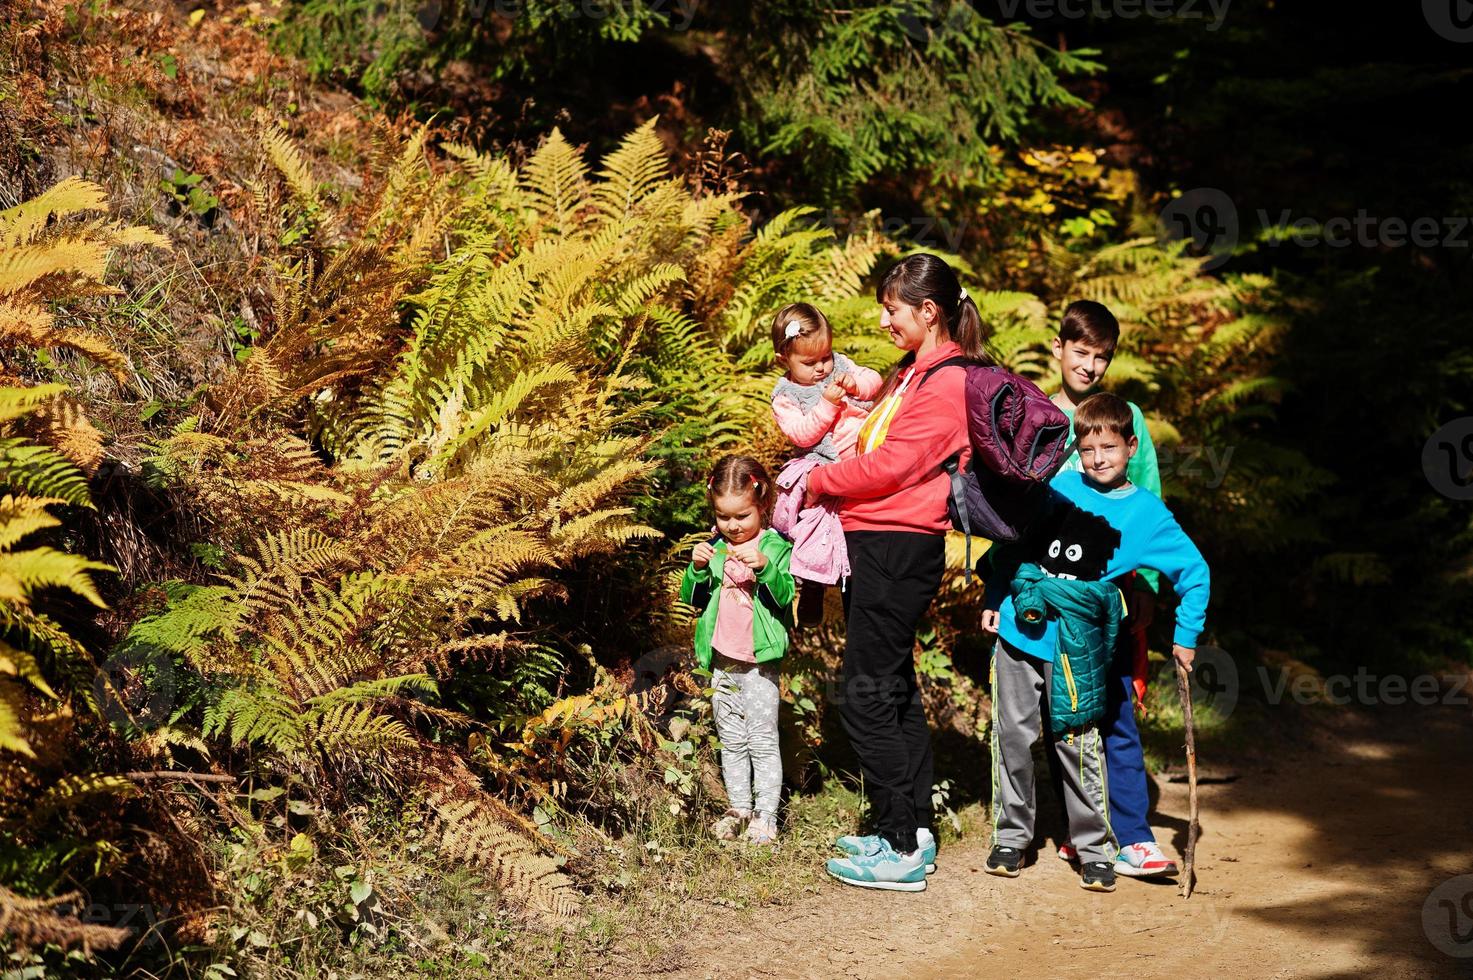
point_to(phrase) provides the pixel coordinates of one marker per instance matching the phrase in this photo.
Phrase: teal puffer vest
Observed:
(1089, 616)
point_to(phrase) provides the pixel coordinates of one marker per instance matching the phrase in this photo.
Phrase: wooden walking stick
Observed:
(1184, 688)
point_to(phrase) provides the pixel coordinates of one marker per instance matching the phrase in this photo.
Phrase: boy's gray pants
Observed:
(1019, 692)
(745, 704)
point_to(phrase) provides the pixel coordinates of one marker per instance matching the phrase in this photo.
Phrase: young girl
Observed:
(820, 403)
(740, 582)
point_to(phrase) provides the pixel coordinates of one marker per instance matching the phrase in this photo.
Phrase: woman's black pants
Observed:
(894, 575)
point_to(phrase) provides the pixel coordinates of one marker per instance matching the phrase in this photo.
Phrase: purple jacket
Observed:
(819, 551)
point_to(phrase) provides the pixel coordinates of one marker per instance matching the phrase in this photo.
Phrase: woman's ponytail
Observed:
(969, 333)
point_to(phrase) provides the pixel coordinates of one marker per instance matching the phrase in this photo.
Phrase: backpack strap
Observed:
(957, 361)
(952, 466)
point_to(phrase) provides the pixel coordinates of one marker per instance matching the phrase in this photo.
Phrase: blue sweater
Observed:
(1149, 537)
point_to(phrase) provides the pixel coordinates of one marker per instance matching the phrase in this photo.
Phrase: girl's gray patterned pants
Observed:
(745, 705)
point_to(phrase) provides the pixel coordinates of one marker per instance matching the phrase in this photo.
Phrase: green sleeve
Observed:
(775, 574)
(692, 578)
(1144, 471)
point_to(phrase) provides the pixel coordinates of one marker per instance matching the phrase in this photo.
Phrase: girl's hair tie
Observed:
(793, 329)
(963, 296)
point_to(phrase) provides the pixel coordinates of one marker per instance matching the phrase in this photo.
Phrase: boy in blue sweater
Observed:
(1026, 651)
(1085, 348)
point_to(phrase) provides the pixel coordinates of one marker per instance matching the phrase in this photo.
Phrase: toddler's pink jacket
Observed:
(828, 432)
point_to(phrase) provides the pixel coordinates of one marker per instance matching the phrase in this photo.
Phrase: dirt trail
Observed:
(1315, 865)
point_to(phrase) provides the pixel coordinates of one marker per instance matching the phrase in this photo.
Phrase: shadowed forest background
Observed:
(363, 363)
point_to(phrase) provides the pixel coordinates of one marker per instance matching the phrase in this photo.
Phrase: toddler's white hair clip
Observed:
(963, 296)
(792, 329)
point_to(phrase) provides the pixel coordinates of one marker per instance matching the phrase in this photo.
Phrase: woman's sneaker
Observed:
(884, 868)
(927, 843)
(856, 844)
(1145, 860)
(1097, 876)
(730, 825)
(1067, 852)
(1005, 861)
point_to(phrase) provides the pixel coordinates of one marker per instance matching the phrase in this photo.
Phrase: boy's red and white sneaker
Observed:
(1144, 860)
(1068, 853)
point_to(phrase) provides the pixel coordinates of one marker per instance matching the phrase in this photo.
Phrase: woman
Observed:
(893, 509)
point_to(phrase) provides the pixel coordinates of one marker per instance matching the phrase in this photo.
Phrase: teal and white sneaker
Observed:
(927, 842)
(856, 844)
(867, 844)
(883, 867)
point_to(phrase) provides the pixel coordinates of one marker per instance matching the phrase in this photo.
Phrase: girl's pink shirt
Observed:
(733, 635)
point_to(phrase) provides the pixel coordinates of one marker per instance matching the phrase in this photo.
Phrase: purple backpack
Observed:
(1020, 439)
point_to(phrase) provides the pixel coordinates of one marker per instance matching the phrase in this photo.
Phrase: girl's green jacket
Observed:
(772, 613)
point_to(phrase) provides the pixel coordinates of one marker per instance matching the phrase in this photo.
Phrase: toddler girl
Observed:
(823, 397)
(820, 403)
(739, 580)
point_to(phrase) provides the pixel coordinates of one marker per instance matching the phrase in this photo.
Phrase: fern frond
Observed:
(23, 572)
(72, 790)
(12, 719)
(469, 833)
(556, 184)
(42, 472)
(35, 923)
(18, 663)
(73, 195)
(630, 172)
(292, 166)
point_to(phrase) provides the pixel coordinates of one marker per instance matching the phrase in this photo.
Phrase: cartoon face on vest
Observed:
(1076, 544)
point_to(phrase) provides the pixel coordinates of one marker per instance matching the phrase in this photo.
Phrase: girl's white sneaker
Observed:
(762, 829)
(729, 827)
